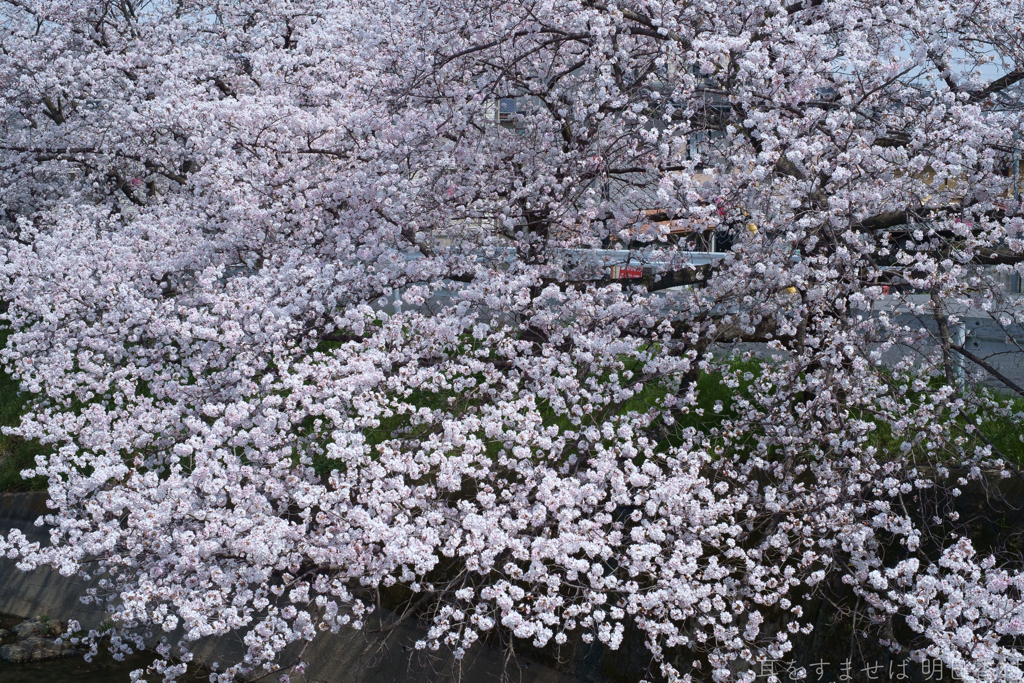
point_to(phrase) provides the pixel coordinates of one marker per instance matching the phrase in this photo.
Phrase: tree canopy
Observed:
(312, 299)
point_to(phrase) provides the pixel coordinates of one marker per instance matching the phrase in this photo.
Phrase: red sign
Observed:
(627, 272)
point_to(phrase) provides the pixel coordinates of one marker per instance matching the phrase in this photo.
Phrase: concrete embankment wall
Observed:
(42, 591)
(375, 654)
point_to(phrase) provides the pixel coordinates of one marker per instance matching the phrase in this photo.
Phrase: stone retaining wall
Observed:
(368, 656)
(42, 591)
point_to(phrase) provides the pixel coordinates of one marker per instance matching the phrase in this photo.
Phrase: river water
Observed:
(102, 669)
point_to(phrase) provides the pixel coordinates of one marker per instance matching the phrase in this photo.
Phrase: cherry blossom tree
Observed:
(311, 300)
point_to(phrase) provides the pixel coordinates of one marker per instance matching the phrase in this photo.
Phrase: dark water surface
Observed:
(102, 669)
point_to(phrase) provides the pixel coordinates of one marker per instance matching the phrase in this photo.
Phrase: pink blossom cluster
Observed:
(303, 313)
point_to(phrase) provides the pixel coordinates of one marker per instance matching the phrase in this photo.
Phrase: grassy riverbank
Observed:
(715, 405)
(16, 454)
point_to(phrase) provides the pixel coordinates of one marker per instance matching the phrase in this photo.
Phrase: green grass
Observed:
(16, 454)
(1003, 431)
